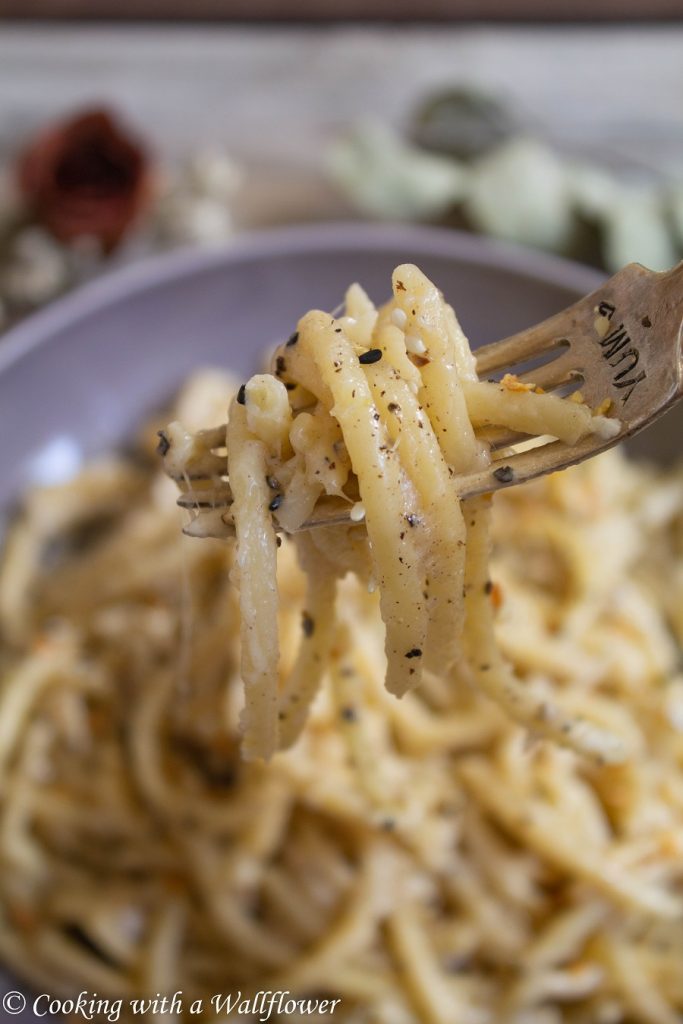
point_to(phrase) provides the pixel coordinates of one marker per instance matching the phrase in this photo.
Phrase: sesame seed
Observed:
(373, 355)
(307, 624)
(164, 443)
(505, 474)
(415, 344)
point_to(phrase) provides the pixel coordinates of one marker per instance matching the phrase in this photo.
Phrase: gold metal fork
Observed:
(621, 343)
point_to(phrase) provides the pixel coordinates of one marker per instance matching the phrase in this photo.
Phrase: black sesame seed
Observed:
(164, 443)
(505, 474)
(292, 340)
(307, 624)
(242, 394)
(273, 483)
(373, 355)
(414, 652)
(412, 519)
(276, 502)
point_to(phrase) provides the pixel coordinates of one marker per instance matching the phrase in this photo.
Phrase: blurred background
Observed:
(129, 127)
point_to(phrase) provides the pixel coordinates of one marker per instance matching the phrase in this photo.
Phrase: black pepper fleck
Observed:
(280, 365)
(349, 714)
(293, 338)
(242, 394)
(273, 483)
(414, 652)
(488, 587)
(276, 502)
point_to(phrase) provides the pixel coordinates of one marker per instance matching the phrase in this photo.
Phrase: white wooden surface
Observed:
(276, 97)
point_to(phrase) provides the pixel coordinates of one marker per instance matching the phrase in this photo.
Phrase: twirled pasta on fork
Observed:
(383, 409)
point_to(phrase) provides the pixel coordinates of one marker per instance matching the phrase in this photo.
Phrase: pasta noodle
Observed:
(438, 858)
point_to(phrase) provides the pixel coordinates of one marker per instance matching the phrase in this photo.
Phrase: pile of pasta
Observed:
(427, 860)
(382, 406)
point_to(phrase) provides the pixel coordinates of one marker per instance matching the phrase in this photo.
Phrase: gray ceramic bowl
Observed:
(76, 378)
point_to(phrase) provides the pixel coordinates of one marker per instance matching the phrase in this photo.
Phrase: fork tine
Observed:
(214, 437)
(554, 374)
(533, 462)
(210, 523)
(519, 348)
(206, 467)
(500, 437)
(218, 497)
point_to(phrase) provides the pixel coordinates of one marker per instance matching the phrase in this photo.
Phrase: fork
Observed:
(621, 343)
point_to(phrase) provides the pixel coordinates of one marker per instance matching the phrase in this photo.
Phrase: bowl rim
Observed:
(259, 244)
